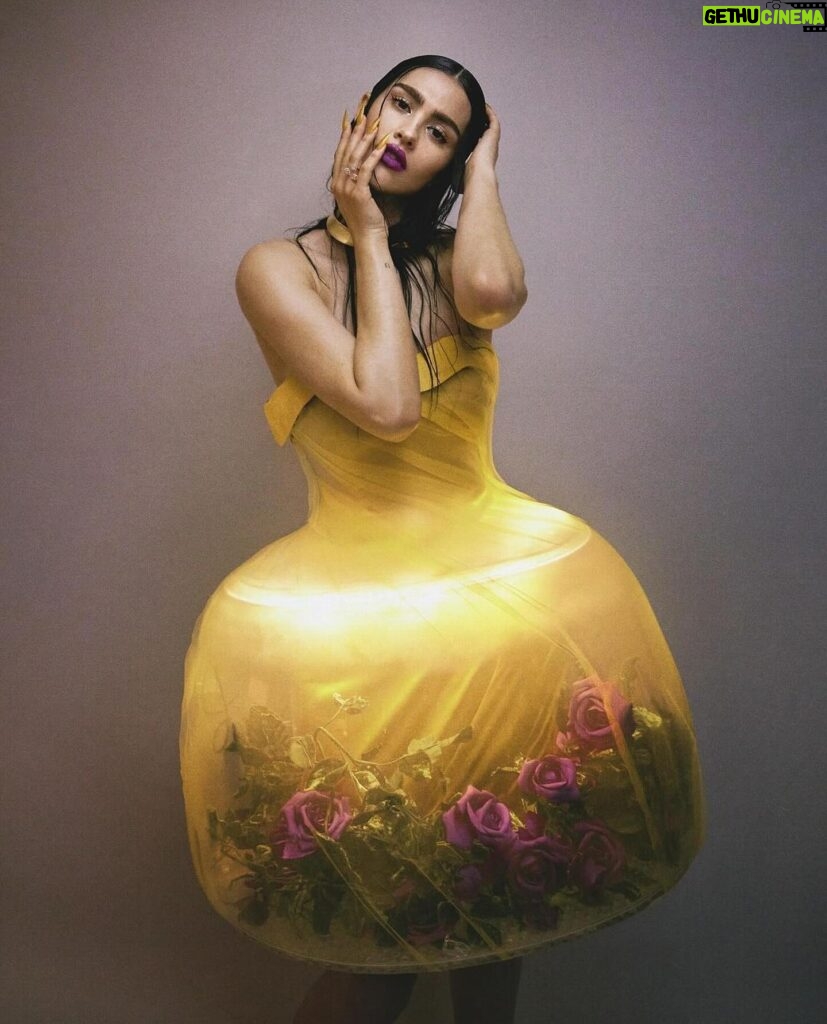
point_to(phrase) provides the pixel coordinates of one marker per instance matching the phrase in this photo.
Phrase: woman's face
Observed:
(426, 111)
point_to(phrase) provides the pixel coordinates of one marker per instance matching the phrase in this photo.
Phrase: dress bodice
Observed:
(438, 487)
(445, 460)
(450, 354)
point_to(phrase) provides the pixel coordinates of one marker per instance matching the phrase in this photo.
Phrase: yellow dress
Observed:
(438, 724)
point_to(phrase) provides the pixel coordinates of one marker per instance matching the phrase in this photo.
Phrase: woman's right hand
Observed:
(357, 149)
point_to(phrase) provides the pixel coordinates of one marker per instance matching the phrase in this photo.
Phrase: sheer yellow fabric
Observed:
(438, 724)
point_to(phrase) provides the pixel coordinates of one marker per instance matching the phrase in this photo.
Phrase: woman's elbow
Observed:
(494, 307)
(397, 427)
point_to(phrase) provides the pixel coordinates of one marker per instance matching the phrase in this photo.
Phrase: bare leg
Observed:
(486, 994)
(337, 997)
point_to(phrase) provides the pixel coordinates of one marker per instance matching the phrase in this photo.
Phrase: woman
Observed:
(437, 727)
(396, 173)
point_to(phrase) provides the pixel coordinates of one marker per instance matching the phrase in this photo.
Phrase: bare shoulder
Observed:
(273, 259)
(274, 282)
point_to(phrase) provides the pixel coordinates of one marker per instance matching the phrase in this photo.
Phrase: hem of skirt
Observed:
(447, 963)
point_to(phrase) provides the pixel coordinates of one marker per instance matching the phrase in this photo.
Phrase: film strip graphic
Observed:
(804, 7)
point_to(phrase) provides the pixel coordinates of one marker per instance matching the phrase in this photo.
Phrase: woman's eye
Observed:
(439, 133)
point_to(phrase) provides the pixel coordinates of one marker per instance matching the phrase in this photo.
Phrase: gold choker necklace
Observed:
(339, 231)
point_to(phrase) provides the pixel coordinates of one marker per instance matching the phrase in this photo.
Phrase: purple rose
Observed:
(534, 826)
(599, 859)
(468, 882)
(427, 922)
(470, 879)
(538, 867)
(478, 814)
(305, 811)
(588, 726)
(552, 777)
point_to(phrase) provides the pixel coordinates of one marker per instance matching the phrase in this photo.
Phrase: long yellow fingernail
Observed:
(383, 140)
(344, 120)
(360, 117)
(372, 128)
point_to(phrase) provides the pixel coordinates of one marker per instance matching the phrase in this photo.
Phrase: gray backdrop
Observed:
(665, 184)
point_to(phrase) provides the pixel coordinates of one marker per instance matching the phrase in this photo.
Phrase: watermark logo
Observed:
(811, 16)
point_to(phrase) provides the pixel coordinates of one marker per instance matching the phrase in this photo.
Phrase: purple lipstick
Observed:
(394, 157)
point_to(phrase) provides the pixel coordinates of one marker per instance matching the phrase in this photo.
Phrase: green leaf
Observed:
(351, 705)
(429, 746)
(433, 747)
(300, 749)
(251, 755)
(327, 773)
(416, 765)
(646, 719)
(267, 731)
(382, 795)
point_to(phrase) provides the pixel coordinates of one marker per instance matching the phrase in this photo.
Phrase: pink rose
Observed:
(307, 810)
(478, 814)
(599, 859)
(538, 866)
(552, 777)
(588, 725)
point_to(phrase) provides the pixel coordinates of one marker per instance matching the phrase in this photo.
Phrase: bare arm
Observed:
(372, 379)
(488, 273)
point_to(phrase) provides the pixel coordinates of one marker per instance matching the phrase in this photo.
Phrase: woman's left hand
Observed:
(486, 150)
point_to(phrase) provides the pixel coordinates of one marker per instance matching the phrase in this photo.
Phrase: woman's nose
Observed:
(405, 136)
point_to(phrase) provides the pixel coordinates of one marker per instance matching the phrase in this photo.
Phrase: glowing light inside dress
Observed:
(323, 609)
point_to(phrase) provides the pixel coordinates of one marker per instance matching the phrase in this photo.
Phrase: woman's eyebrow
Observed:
(438, 115)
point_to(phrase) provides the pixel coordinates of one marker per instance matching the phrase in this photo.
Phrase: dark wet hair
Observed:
(422, 229)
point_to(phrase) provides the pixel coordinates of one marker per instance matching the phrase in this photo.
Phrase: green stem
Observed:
(358, 889)
(330, 721)
(634, 775)
(357, 760)
(333, 739)
(448, 899)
